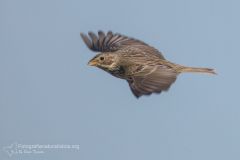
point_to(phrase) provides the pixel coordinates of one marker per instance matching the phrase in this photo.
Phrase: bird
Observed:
(143, 67)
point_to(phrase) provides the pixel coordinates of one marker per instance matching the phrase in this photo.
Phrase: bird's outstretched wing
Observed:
(152, 79)
(113, 42)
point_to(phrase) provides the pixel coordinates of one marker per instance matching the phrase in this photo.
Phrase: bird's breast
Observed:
(118, 72)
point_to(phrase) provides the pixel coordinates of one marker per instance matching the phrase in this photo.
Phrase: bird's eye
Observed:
(101, 58)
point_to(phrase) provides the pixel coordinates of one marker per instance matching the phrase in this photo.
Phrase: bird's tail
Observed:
(196, 70)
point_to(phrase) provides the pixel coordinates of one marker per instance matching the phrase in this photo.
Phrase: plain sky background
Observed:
(48, 95)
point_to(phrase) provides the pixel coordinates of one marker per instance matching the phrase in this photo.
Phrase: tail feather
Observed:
(199, 70)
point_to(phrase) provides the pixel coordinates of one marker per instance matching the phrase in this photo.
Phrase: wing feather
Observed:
(101, 36)
(114, 42)
(94, 40)
(86, 40)
(152, 79)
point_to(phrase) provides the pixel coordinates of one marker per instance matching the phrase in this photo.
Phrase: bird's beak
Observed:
(92, 62)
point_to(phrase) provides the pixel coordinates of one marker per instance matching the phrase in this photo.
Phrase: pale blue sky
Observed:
(48, 95)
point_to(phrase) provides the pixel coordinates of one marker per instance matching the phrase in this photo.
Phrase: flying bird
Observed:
(142, 66)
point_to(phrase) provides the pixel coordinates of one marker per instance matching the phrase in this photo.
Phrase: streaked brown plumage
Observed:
(144, 67)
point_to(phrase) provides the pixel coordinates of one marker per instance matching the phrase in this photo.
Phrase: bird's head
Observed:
(105, 61)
